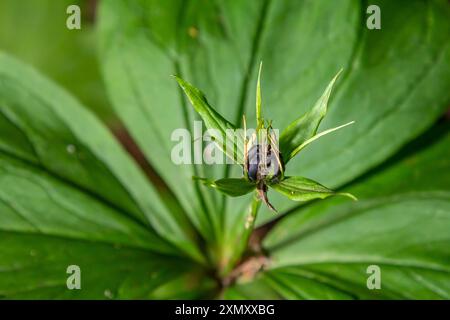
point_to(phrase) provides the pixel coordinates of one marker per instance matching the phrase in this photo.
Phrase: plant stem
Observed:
(252, 212)
(250, 222)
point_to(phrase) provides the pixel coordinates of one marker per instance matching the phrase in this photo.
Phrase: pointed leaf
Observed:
(303, 189)
(213, 120)
(315, 137)
(233, 187)
(55, 133)
(305, 127)
(259, 118)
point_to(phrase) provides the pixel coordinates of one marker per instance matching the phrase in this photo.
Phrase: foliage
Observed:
(71, 194)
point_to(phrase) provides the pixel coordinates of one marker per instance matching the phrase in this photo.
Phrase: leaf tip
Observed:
(348, 195)
(178, 79)
(331, 85)
(339, 73)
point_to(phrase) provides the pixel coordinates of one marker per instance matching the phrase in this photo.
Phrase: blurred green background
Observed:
(35, 32)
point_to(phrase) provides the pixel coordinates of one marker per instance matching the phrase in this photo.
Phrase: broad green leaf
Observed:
(279, 284)
(257, 289)
(48, 225)
(58, 136)
(305, 127)
(226, 138)
(405, 236)
(193, 285)
(34, 202)
(34, 265)
(230, 186)
(302, 286)
(422, 165)
(304, 189)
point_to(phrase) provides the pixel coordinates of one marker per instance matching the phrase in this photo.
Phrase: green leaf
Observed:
(257, 289)
(315, 137)
(34, 267)
(303, 189)
(302, 287)
(48, 225)
(406, 236)
(259, 118)
(224, 131)
(58, 136)
(282, 285)
(233, 187)
(296, 135)
(423, 165)
(34, 202)
(193, 285)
